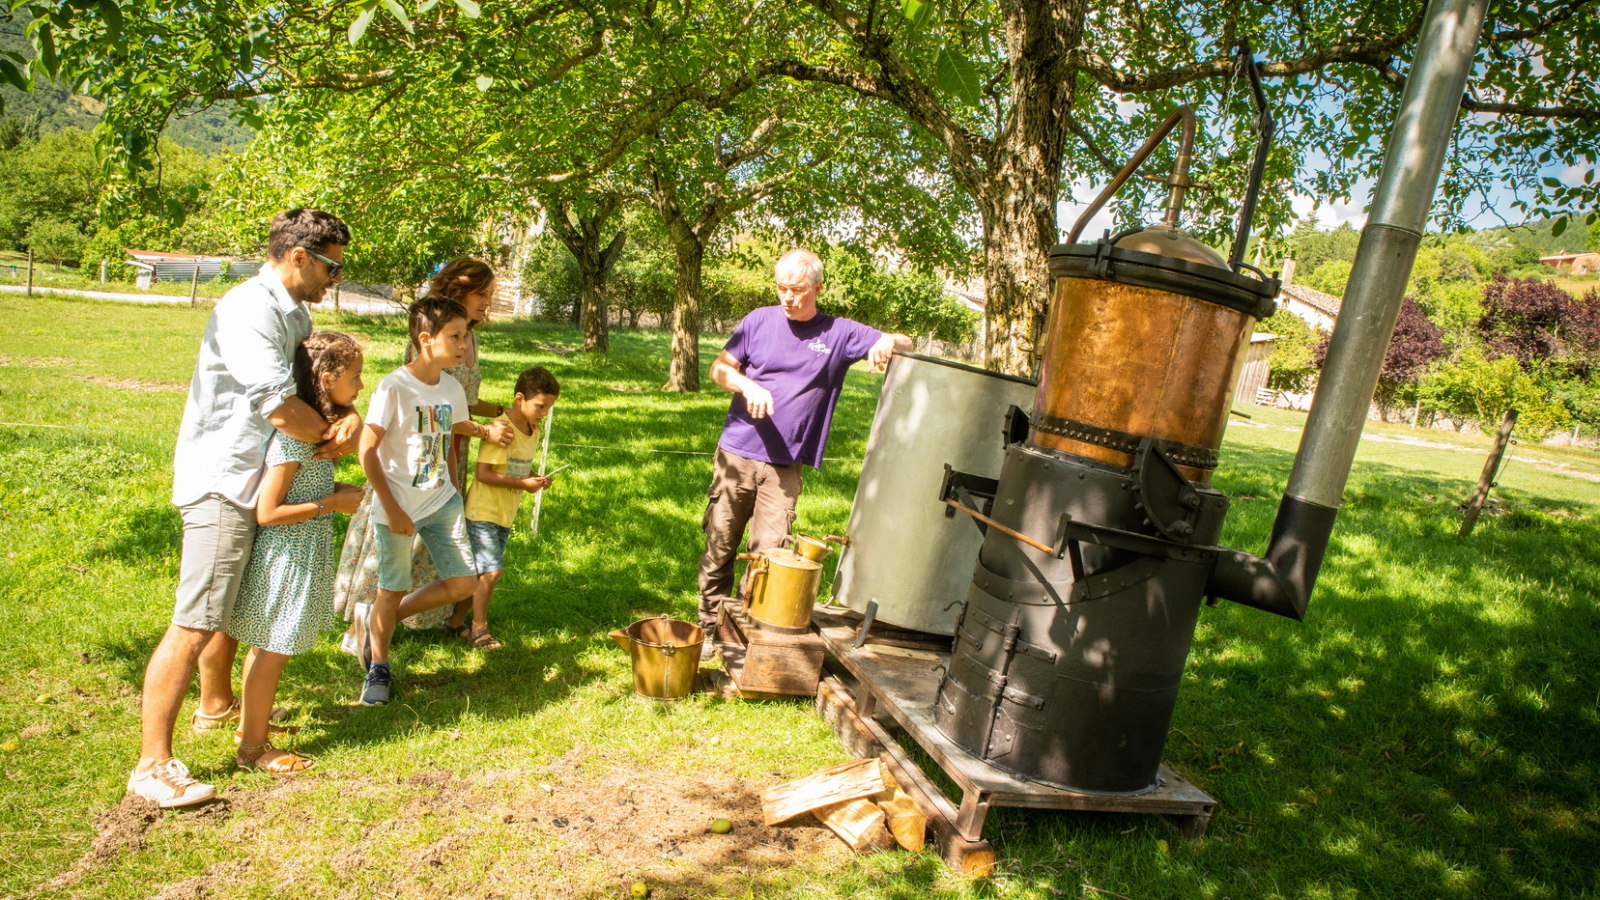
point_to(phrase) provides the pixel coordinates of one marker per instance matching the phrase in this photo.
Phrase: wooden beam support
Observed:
(973, 858)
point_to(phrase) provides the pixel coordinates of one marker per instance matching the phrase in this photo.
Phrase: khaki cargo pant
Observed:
(743, 491)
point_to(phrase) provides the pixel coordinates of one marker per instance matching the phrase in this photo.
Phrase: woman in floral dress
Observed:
(469, 282)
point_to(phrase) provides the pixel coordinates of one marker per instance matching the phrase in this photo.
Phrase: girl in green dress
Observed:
(286, 594)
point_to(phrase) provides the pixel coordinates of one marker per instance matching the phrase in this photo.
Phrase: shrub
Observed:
(55, 241)
(1291, 360)
(1477, 389)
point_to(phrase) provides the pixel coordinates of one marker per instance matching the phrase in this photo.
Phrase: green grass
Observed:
(1429, 732)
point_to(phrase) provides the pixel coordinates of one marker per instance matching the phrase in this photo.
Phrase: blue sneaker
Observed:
(375, 689)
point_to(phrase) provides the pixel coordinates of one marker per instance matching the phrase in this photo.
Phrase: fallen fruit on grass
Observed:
(721, 826)
(639, 889)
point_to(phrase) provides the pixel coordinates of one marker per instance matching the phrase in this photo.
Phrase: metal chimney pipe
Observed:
(1423, 127)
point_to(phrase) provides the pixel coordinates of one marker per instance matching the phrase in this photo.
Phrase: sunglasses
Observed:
(333, 267)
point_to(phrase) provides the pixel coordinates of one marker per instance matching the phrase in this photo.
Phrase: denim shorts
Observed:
(488, 545)
(443, 532)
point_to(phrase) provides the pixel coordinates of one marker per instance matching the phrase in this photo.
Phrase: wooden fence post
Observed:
(1490, 468)
(30, 271)
(194, 286)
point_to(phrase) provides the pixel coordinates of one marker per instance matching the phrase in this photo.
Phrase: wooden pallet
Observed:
(904, 686)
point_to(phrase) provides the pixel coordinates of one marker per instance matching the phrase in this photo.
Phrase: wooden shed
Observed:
(1254, 377)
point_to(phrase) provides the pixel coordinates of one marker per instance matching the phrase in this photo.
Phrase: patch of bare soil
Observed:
(598, 824)
(583, 826)
(131, 384)
(38, 362)
(118, 830)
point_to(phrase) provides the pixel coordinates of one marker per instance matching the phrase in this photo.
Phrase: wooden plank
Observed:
(902, 652)
(833, 785)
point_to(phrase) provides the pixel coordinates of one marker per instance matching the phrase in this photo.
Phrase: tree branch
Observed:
(1541, 27)
(1567, 113)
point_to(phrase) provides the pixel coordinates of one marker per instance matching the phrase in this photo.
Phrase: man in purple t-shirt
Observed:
(785, 365)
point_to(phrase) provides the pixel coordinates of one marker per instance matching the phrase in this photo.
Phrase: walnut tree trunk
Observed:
(683, 374)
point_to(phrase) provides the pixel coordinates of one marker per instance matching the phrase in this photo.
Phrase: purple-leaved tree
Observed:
(1416, 343)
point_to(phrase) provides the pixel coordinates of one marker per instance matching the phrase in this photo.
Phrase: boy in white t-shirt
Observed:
(405, 452)
(503, 475)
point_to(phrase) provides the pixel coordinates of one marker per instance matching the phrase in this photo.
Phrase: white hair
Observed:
(810, 265)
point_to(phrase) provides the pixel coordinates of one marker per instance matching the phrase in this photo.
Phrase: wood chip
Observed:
(859, 823)
(905, 821)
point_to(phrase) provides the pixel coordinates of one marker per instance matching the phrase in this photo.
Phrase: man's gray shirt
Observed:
(245, 371)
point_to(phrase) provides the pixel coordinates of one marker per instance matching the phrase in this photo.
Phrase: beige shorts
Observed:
(217, 537)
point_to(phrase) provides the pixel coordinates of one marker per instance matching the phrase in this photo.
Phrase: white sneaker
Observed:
(167, 784)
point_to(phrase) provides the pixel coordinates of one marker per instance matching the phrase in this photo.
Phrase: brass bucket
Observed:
(783, 590)
(665, 654)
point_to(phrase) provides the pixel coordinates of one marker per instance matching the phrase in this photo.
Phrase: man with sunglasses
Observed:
(242, 389)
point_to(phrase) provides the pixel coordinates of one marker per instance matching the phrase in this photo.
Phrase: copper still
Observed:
(1102, 526)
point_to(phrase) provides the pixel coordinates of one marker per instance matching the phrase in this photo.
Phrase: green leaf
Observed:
(469, 8)
(958, 77)
(1551, 182)
(11, 75)
(399, 13)
(1588, 177)
(112, 14)
(483, 82)
(1558, 226)
(176, 213)
(917, 12)
(358, 28)
(426, 6)
(44, 41)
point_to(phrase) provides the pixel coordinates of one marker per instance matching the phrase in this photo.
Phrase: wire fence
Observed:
(162, 433)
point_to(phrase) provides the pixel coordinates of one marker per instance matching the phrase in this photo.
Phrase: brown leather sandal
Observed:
(288, 763)
(479, 638)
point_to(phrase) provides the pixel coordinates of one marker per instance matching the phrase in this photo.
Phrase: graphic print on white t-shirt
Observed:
(427, 448)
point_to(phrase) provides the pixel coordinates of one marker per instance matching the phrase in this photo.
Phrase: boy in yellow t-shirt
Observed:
(503, 474)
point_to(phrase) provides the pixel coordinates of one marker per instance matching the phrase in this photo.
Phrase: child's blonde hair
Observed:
(328, 353)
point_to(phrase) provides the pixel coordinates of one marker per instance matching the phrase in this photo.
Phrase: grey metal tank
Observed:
(904, 552)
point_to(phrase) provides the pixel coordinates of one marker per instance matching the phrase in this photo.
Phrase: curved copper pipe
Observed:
(1180, 171)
